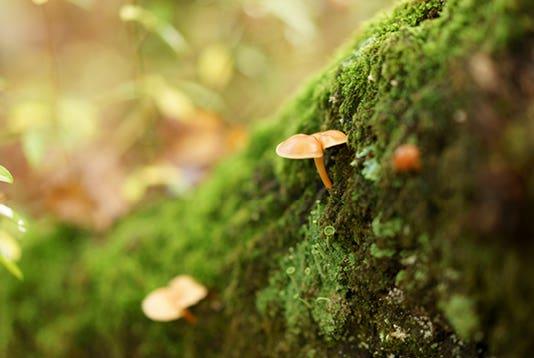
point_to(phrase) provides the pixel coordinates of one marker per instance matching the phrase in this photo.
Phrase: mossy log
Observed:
(437, 262)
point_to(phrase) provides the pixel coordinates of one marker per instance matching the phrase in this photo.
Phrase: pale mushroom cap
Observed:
(330, 138)
(300, 146)
(160, 306)
(186, 292)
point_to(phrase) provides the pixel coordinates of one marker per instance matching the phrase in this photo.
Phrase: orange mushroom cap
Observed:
(300, 146)
(407, 158)
(330, 138)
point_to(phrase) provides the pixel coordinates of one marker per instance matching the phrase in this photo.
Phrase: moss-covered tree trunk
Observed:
(431, 263)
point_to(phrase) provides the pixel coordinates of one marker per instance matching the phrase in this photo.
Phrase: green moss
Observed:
(379, 253)
(259, 233)
(460, 312)
(386, 229)
(307, 288)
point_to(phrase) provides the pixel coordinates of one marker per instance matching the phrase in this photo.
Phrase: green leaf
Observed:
(11, 267)
(5, 175)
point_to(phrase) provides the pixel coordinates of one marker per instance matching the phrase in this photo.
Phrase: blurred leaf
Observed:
(9, 253)
(6, 211)
(14, 221)
(9, 247)
(40, 2)
(77, 122)
(88, 191)
(250, 61)
(295, 14)
(21, 225)
(153, 175)
(201, 144)
(44, 126)
(130, 13)
(174, 104)
(172, 37)
(170, 101)
(31, 120)
(125, 91)
(11, 267)
(154, 24)
(215, 65)
(28, 115)
(5, 175)
(34, 144)
(84, 4)
(206, 97)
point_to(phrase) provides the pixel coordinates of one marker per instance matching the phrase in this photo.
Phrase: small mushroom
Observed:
(159, 306)
(187, 291)
(303, 146)
(407, 158)
(172, 302)
(330, 138)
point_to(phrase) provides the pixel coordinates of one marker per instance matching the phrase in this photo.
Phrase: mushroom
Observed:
(303, 146)
(407, 158)
(172, 302)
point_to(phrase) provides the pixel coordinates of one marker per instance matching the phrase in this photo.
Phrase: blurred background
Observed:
(105, 104)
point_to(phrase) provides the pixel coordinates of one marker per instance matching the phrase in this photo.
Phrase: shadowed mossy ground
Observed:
(435, 263)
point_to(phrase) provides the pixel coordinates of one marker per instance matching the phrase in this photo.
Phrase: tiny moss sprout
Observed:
(329, 230)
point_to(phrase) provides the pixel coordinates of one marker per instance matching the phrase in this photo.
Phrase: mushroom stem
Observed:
(189, 317)
(319, 164)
